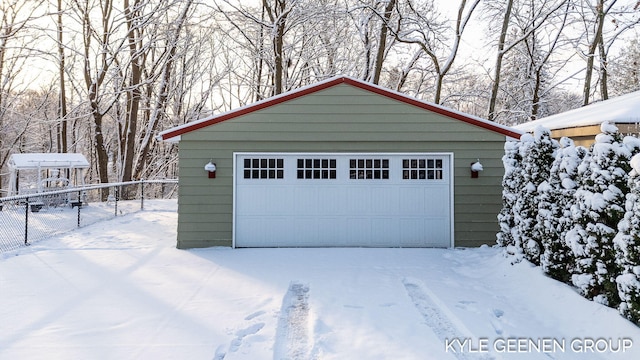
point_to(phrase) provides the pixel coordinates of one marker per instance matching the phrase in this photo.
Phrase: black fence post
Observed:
(115, 203)
(79, 205)
(141, 194)
(26, 221)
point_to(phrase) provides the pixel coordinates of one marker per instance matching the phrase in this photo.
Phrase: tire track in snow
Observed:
(438, 318)
(292, 334)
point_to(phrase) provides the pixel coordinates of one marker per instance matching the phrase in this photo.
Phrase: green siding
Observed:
(338, 119)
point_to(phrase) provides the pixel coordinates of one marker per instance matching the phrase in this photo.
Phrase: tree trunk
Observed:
(586, 92)
(496, 80)
(259, 96)
(438, 94)
(279, 57)
(93, 84)
(3, 42)
(535, 97)
(62, 111)
(133, 96)
(98, 138)
(382, 42)
(405, 72)
(278, 17)
(604, 74)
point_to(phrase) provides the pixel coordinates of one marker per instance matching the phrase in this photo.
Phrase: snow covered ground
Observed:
(119, 289)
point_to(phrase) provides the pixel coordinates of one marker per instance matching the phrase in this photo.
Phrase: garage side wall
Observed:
(339, 119)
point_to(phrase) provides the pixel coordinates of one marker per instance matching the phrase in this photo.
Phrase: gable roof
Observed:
(621, 109)
(173, 134)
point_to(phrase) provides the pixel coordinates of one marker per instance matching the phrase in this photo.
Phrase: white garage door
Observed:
(342, 199)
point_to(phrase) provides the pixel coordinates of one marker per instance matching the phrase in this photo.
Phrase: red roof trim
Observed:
(330, 83)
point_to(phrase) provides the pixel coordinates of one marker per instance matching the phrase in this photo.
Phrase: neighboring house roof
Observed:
(47, 160)
(621, 109)
(173, 134)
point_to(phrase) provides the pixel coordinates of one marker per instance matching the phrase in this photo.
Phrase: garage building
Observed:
(583, 124)
(340, 163)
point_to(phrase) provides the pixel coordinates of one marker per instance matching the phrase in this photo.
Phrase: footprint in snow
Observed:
(220, 353)
(498, 313)
(254, 315)
(497, 326)
(496, 322)
(353, 306)
(468, 305)
(242, 333)
(388, 304)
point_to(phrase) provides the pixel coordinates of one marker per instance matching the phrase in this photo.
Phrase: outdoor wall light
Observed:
(476, 167)
(210, 168)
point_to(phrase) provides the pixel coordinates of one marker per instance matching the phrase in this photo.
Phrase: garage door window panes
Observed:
(422, 169)
(316, 168)
(264, 168)
(369, 169)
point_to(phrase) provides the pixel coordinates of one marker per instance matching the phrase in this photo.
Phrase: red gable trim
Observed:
(330, 83)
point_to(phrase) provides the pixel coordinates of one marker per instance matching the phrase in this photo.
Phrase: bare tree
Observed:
(129, 57)
(15, 51)
(537, 17)
(600, 12)
(282, 45)
(277, 15)
(165, 65)
(498, 66)
(526, 83)
(539, 54)
(603, 22)
(625, 69)
(135, 20)
(467, 92)
(258, 32)
(62, 101)
(376, 23)
(275, 21)
(97, 39)
(382, 40)
(421, 26)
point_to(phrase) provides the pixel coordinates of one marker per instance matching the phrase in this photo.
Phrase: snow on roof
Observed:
(620, 109)
(47, 160)
(173, 134)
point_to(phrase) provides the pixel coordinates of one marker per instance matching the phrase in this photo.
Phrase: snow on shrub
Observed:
(598, 207)
(577, 213)
(511, 183)
(537, 157)
(554, 210)
(627, 246)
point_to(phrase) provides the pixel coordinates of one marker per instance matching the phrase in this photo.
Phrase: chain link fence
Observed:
(28, 218)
